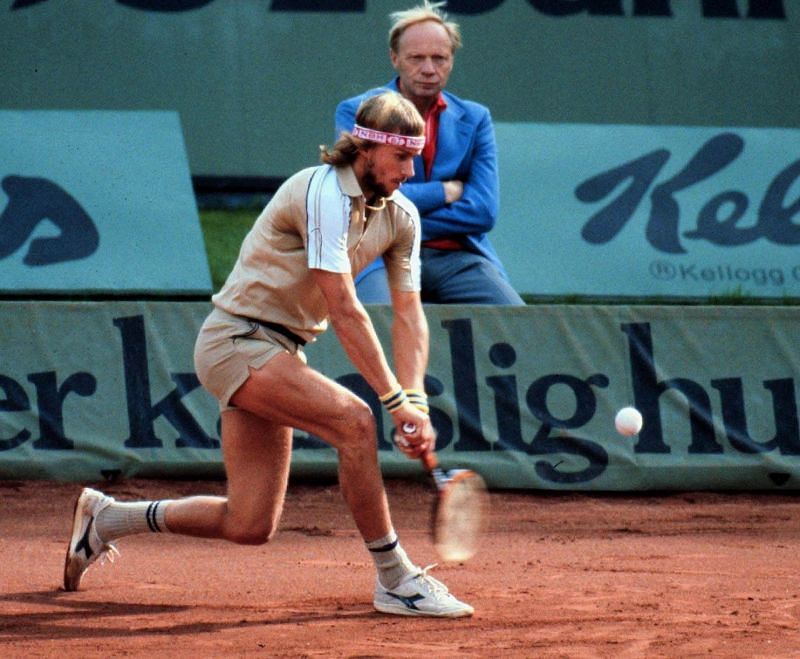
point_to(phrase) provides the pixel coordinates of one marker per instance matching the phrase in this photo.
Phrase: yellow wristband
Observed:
(394, 400)
(418, 399)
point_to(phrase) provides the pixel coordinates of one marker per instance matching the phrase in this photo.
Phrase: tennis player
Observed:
(295, 274)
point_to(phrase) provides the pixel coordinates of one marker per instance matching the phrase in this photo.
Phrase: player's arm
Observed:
(410, 339)
(327, 216)
(410, 349)
(410, 336)
(360, 342)
(354, 329)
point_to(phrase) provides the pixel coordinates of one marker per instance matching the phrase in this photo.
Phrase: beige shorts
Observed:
(228, 346)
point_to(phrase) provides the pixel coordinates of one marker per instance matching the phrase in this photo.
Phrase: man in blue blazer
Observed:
(454, 186)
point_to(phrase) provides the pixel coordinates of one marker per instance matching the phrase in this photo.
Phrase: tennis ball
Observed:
(628, 421)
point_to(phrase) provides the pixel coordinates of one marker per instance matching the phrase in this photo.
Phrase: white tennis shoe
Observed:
(420, 594)
(85, 546)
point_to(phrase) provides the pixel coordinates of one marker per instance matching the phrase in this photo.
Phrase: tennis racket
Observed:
(459, 509)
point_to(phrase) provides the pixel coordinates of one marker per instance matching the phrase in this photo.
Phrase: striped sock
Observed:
(121, 519)
(390, 559)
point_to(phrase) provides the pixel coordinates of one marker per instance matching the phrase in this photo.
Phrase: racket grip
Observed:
(429, 459)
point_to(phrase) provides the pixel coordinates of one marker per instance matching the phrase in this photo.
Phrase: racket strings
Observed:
(460, 517)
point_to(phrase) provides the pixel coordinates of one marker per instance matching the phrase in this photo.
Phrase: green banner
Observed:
(527, 396)
(256, 81)
(98, 203)
(661, 211)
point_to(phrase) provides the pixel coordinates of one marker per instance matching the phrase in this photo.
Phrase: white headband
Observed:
(393, 139)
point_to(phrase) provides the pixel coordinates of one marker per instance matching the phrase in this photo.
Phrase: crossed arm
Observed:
(466, 201)
(463, 197)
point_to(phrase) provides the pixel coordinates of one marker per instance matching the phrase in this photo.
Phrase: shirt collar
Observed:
(349, 183)
(439, 106)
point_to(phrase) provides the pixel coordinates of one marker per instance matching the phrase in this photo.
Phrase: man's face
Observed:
(385, 168)
(424, 60)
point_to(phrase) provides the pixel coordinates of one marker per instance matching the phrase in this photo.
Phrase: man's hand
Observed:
(423, 438)
(453, 190)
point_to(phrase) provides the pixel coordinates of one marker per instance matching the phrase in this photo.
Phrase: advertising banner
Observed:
(662, 211)
(256, 82)
(527, 396)
(87, 198)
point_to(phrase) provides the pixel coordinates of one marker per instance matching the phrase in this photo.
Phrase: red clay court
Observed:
(558, 575)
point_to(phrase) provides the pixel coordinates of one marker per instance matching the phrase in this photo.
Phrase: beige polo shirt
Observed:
(317, 220)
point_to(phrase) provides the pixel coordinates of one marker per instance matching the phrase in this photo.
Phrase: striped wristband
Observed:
(394, 399)
(418, 399)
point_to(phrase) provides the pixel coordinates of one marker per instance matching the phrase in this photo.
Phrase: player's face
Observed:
(386, 168)
(423, 60)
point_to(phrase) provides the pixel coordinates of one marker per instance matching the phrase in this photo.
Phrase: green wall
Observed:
(256, 82)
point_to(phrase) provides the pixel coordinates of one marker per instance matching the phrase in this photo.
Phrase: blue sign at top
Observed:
(614, 211)
(97, 202)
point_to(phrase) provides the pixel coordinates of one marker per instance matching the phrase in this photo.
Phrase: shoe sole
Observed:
(77, 523)
(417, 613)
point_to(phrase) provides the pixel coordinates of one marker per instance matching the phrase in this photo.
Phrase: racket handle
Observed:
(428, 458)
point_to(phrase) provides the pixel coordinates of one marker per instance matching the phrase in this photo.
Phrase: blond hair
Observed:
(427, 11)
(388, 112)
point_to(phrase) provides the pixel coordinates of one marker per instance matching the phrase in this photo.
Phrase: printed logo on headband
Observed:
(393, 139)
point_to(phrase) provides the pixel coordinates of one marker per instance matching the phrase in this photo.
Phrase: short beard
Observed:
(372, 185)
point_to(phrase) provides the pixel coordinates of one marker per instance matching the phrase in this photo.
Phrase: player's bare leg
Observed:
(257, 456)
(293, 394)
(287, 392)
(256, 444)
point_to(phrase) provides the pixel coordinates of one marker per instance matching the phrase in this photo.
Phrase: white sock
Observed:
(121, 519)
(390, 559)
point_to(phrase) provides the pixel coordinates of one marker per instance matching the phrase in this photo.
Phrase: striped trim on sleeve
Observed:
(328, 221)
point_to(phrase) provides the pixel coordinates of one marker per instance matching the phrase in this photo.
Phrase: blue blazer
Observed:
(465, 150)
